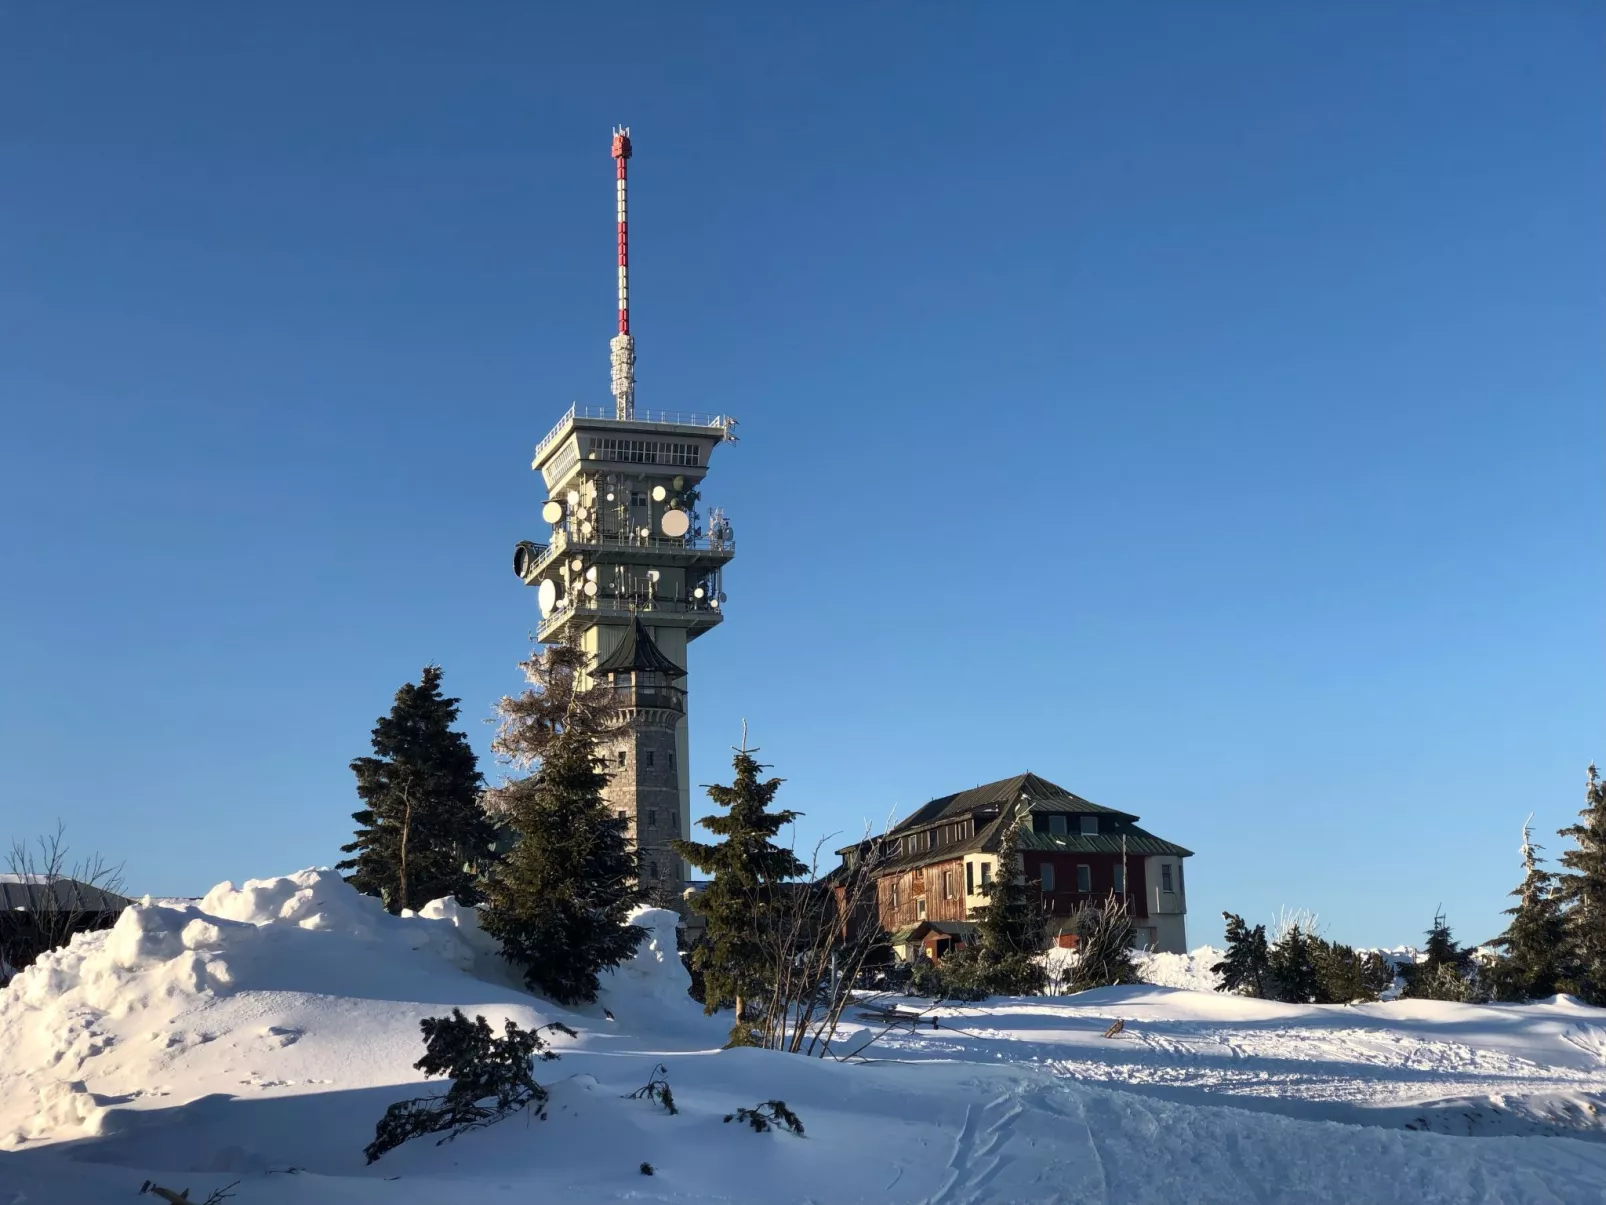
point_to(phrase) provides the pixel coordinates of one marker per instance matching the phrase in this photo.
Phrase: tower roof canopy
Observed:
(637, 652)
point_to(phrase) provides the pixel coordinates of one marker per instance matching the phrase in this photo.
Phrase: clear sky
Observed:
(1200, 405)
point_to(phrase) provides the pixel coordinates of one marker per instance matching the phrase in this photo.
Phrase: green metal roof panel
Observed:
(1137, 842)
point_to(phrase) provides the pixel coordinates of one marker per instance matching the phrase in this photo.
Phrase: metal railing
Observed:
(674, 418)
(627, 606)
(562, 542)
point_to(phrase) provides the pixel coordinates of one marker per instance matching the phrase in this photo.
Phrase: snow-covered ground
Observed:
(258, 1035)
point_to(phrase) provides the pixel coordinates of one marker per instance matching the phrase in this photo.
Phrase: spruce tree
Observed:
(1009, 927)
(1342, 975)
(1581, 889)
(1535, 942)
(1293, 967)
(1446, 973)
(742, 905)
(561, 899)
(422, 831)
(1247, 967)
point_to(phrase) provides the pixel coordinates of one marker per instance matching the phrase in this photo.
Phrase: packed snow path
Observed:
(258, 1037)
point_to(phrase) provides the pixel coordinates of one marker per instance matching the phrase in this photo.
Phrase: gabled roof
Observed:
(637, 652)
(1139, 842)
(1038, 794)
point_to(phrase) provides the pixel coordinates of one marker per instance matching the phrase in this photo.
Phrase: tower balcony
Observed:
(696, 616)
(699, 552)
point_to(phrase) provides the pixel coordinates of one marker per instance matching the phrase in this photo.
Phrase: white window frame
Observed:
(1084, 871)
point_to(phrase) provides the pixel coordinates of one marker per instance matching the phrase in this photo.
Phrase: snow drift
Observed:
(258, 1034)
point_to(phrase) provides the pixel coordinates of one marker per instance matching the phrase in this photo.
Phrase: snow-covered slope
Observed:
(258, 1035)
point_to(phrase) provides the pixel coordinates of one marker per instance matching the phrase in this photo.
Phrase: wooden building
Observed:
(931, 868)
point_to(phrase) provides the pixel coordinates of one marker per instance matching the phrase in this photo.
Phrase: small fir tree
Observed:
(1535, 942)
(1446, 971)
(1581, 889)
(741, 904)
(1293, 966)
(1009, 928)
(1247, 967)
(560, 901)
(422, 833)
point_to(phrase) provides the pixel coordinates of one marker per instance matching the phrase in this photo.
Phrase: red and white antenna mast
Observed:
(623, 346)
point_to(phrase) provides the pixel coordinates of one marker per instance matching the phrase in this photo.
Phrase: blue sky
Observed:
(1198, 405)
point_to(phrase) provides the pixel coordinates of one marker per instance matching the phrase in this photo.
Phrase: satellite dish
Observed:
(613, 479)
(591, 589)
(722, 596)
(680, 483)
(659, 493)
(547, 596)
(574, 497)
(577, 564)
(552, 511)
(697, 593)
(580, 512)
(675, 523)
(525, 556)
(652, 575)
(591, 574)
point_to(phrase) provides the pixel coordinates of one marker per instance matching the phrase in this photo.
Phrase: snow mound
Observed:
(1190, 971)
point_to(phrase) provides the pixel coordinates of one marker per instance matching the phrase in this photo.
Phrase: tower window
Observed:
(1165, 876)
(624, 818)
(986, 873)
(621, 757)
(649, 757)
(674, 822)
(970, 878)
(652, 870)
(671, 759)
(652, 817)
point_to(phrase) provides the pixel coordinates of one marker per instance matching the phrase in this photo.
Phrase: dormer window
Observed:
(1090, 826)
(1056, 824)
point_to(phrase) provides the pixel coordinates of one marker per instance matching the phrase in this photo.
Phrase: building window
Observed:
(986, 873)
(970, 878)
(1047, 874)
(652, 817)
(652, 870)
(621, 757)
(1084, 879)
(649, 757)
(1179, 877)
(671, 759)
(1056, 825)
(947, 884)
(895, 895)
(624, 818)
(1090, 826)
(1165, 876)
(674, 822)
(920, 906)
(637, 498)
(1120, 880)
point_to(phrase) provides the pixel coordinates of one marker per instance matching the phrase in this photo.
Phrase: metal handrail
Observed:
(672, 418)
(629, 606)
(562, 543)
